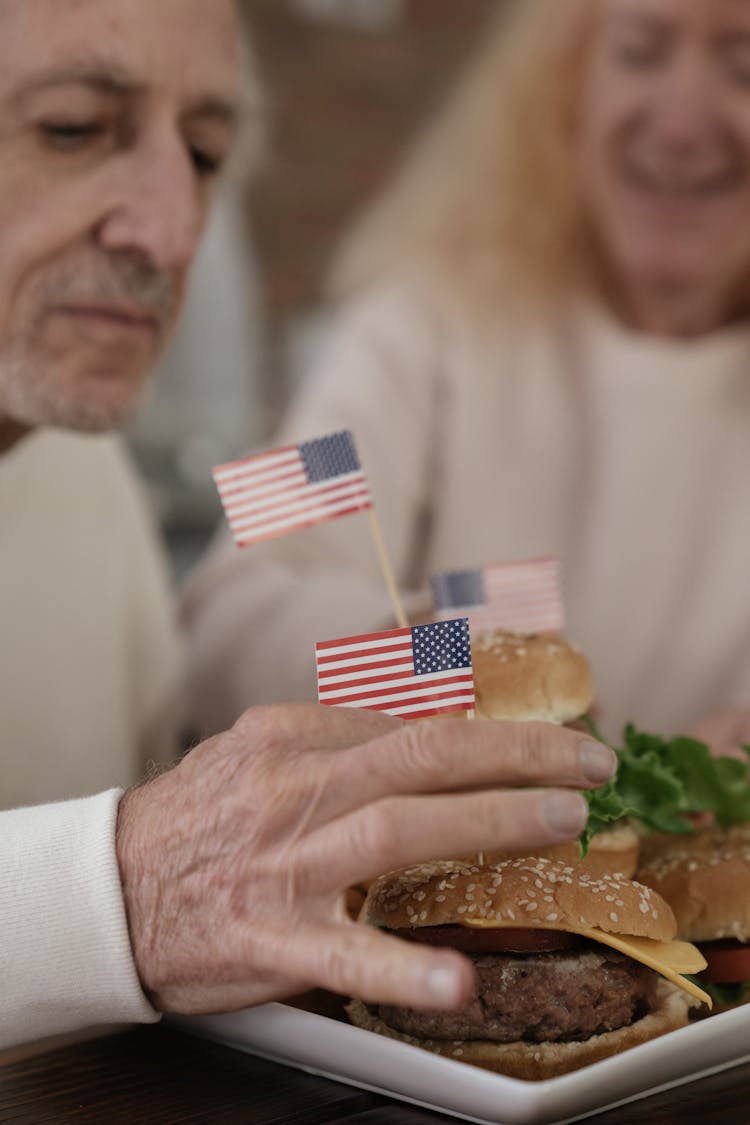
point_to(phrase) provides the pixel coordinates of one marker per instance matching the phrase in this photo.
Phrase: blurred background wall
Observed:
(347, 83)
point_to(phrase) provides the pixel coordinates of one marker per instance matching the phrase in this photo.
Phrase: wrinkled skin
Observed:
(235, 864)
(115, 119)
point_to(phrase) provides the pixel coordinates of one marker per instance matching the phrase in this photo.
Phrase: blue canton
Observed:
(330, 456)
(441, 646)
(458, 588)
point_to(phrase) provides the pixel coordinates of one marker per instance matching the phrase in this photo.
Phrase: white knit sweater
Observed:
(625, 455)
(89, 667)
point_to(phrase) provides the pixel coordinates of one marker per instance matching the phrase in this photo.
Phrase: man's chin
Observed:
(93, 403)
(96, 415)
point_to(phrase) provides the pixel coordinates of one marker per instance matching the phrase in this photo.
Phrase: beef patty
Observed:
(540, 998)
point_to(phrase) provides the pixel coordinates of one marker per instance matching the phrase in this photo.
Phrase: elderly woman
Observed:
(543, 347)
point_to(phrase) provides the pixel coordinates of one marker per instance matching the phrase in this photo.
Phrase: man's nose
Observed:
(158, 210)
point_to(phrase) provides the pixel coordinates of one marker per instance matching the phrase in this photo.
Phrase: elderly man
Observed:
(219, 883)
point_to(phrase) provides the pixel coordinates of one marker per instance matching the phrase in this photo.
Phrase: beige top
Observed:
(89, 657)
(625, 455)
(89, 667)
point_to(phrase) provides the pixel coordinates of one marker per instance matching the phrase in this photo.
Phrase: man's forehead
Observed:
(190, 47)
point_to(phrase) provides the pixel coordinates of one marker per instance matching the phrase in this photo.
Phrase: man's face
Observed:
(115, 116)
(664, 140)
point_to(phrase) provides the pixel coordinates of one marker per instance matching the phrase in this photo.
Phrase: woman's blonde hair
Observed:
(489, 198)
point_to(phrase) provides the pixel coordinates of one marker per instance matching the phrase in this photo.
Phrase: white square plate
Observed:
(321, 1044)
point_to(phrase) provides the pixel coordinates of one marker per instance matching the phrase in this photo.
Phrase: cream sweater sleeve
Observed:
(65, 957)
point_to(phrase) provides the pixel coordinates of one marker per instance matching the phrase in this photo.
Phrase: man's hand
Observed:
(234, 865)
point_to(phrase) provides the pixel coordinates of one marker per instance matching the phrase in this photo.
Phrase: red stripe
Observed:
(257, 457)
(304, 493)
(244, 539)
(350, 657)
(382, 678)
(417, 689)
(392, 707)
(364, 637)
(454, 709)
(247, 488)
(306, 505)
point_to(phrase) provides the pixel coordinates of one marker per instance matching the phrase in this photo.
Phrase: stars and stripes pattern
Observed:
(414, 672)
(522, 597)
(287, 489)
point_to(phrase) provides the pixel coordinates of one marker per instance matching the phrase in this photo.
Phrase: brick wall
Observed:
(344, 103)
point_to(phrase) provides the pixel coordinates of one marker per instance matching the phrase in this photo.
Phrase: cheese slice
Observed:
(668, 958)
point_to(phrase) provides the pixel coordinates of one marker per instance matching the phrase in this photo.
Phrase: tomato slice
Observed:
(728, 961)
(492, 941)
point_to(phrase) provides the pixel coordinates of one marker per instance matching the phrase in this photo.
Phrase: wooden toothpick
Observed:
(387, 569)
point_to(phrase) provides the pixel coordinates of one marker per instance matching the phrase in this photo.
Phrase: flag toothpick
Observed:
(387, 569)
(412, 672)
(523, 596)
(297, 486)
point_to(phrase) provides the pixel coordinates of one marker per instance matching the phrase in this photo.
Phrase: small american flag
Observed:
(522, 597)
(414, 672)
(287, 489)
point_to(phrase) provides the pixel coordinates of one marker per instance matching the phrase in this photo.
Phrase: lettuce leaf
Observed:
(723, 994)
(660, 782)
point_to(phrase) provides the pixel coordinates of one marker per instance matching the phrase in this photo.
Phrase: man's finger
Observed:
(399, 831)
(454, 755)
(310, 726)
(361, 961)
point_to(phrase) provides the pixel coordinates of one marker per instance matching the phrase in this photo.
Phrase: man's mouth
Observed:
(134, 318)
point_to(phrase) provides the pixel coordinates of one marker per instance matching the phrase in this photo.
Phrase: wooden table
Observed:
(159, 1076)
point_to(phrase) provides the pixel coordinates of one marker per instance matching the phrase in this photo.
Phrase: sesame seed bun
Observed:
(528, 892)
(611, 851)
(521, 676)
(706, 880)
(536, 1061)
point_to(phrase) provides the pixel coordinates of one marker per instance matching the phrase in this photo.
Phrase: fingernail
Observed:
(565, 814)
(444, 986)
(597, 762)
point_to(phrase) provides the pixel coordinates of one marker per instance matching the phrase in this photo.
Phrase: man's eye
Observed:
(69, 136)
(206, 163)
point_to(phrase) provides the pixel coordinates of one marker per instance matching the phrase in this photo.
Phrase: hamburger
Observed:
(525, 676)
(570, 968)
(706, 881)
(540, 677)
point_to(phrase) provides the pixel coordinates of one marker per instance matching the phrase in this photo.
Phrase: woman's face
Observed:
(663, 135)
